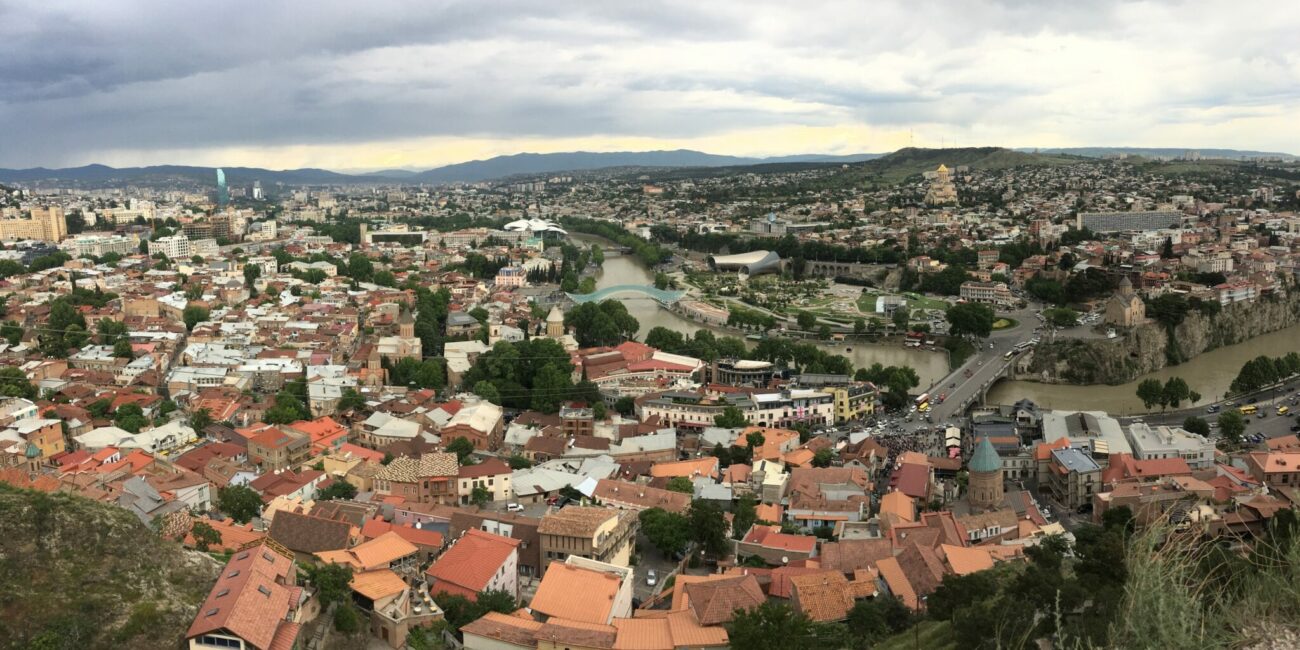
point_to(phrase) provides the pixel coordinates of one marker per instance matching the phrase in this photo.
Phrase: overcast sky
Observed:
(367, 85)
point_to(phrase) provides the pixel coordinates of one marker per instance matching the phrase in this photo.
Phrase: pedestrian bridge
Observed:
(662, 295)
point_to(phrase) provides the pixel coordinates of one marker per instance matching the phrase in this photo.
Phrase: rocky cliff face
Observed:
(1152, 346)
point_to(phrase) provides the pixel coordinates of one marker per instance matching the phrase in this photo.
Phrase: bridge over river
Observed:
(662, 295)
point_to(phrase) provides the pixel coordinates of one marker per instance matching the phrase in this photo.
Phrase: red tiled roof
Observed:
(471, 562)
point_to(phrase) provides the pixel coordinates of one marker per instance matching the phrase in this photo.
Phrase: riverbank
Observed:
(930, 366)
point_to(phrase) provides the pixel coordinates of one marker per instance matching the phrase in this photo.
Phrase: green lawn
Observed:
(1004, 323)
(915, 301)
(931, 635)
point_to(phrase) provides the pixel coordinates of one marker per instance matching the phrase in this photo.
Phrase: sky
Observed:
(388, 84)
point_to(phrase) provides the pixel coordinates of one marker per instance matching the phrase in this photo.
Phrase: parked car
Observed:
(514, 507)
(651, 578)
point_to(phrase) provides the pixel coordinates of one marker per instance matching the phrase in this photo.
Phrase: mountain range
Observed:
(1158, 152)
(466, 172)
(533, 164)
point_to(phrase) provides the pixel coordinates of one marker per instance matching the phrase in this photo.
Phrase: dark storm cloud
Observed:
(78, 79)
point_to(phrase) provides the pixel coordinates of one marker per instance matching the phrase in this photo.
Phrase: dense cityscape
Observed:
(667, 326)
(677, 404)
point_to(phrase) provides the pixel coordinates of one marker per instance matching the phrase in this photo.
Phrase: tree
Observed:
(708, 526)
(1197, 425)
(730, 418)
(823, 457)
(130, 417)
(288, 408)
(599, 410)
(480, 496)
(488, 391)
(901, 318)
(744, 515)
(193, 315)
(625, 405)
(239, 502)
(1061, 316)
(1231, 426)
(332, 582)
(771, 626)
(807, 320)
(351, 400)
(970, 319)
(339, 489)
(464, 450)
(518, 462)
(122, 348)
(14, 383)
(204, 535)
(1151, 392)
(605, 323)
(1174, 392)
(879, 617)
(346, 619)
(681, 484)
(11, 331)
(200, 420)
(667, 531)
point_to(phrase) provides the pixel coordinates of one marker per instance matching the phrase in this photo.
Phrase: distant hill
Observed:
(523, 164)
(82, 574)
(234, 175)
(551, 163)
(1149, 152)
(912, 160)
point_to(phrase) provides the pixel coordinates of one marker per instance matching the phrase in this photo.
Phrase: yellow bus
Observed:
(1249, 409)
(1283, 410)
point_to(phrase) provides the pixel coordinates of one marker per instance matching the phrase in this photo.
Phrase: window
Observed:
(218, 642)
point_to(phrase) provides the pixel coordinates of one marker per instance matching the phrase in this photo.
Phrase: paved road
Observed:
(985, 365)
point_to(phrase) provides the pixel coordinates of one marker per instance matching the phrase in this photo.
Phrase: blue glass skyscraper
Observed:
(223, 194)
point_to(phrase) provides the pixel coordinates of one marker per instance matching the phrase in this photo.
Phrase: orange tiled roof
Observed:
(576, 593)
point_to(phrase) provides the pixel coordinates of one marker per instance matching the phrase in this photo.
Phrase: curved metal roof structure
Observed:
(664, 296)
(751, 263)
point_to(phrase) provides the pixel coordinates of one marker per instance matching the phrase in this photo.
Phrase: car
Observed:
(1252, 400)
(1211, 409)
(1295, 428)
(651, 578)
(514, 507)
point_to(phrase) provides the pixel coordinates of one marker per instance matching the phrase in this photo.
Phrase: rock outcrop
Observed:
(75, 573)
(1152, 345)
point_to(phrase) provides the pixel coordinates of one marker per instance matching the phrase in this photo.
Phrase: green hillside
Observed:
(910, 161)
(79, 574)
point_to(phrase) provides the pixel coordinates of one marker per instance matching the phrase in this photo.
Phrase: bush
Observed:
(346, 620)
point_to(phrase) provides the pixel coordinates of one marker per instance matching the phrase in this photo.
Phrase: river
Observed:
(1208, 374)
(620, 269)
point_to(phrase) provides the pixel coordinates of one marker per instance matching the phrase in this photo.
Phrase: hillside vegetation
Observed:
(912, 160)
(79, 574)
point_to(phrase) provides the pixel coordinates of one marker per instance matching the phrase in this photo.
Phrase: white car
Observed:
(651, 578)
(514, 507)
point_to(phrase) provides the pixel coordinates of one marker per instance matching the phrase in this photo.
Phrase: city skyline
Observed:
(407, 86)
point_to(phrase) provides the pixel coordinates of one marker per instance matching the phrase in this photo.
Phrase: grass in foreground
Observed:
(931, 635)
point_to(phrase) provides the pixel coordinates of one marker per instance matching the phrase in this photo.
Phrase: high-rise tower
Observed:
(223, 194)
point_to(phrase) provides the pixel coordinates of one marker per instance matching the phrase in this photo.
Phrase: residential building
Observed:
(477, 561)
(431, 478)
(493, 475)
(254, 605)
(599, 534)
